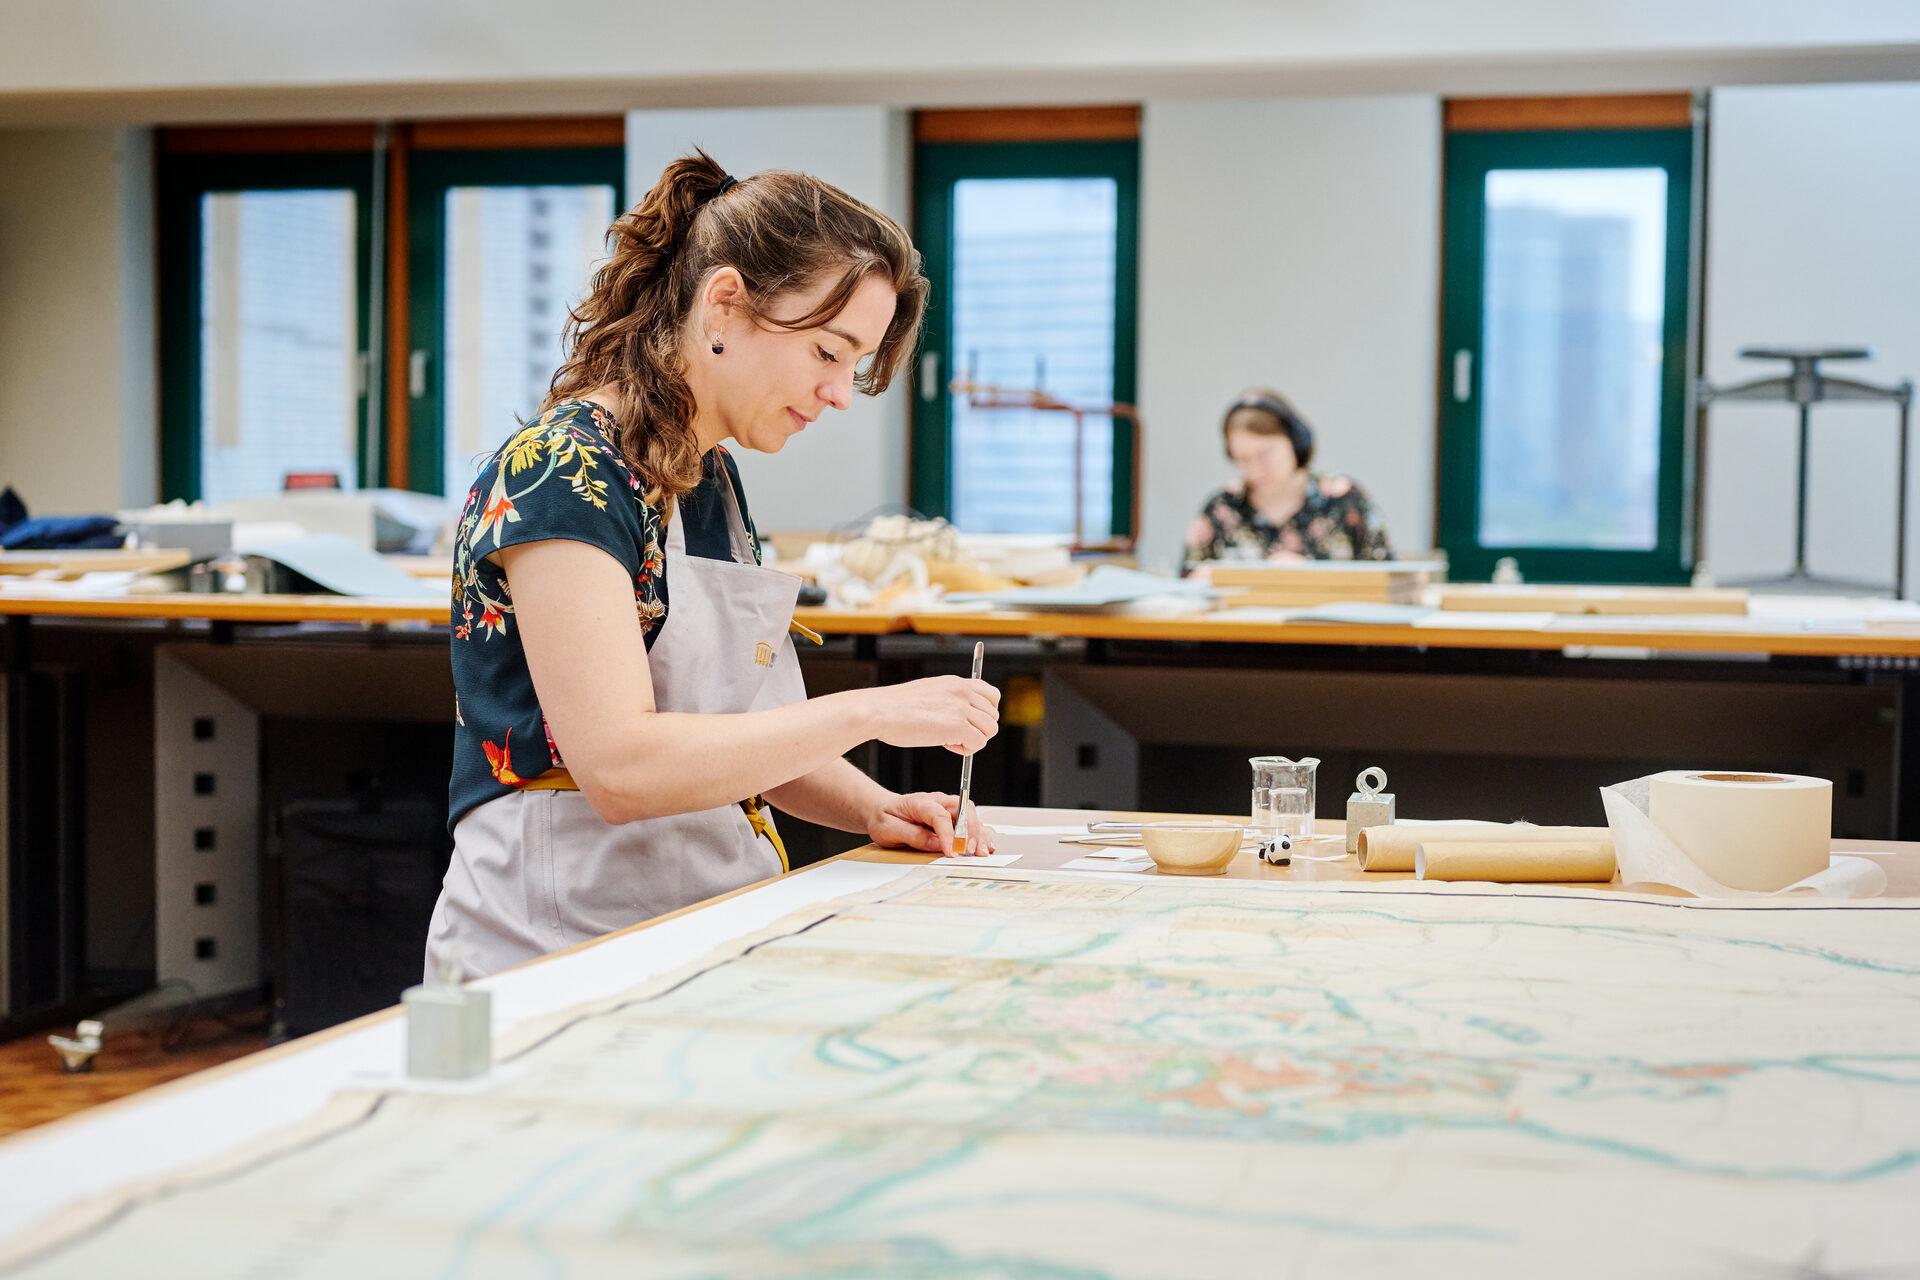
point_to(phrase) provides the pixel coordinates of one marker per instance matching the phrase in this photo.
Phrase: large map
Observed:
(996, 1074)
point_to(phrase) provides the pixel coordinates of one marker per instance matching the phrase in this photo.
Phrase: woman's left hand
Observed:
(924, 820)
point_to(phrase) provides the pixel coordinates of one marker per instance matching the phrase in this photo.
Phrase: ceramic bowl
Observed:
(1194, 848)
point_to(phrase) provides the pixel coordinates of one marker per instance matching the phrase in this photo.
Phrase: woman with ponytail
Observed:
(628, 701)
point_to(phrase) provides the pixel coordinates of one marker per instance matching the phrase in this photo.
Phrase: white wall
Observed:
(1814, 237)
(1291, 243)
(72, 60)
(79, 431)
(848, 463)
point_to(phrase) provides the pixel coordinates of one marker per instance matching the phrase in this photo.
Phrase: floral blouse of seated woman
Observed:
(1280, 510)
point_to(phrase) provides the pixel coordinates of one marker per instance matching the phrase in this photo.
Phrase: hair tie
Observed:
(727, 184)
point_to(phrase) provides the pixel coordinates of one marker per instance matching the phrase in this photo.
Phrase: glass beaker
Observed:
(1283, 795)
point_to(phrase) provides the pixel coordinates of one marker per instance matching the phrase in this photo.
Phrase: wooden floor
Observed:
(34, 1090)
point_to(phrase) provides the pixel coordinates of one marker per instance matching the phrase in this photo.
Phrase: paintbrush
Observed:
(963, 840)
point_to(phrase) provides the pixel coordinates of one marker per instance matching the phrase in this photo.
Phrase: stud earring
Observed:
(718, 346)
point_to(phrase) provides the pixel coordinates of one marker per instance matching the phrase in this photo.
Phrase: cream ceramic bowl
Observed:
(1194, 848)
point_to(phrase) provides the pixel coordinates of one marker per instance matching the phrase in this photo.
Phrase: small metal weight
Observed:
(1370, 806)
(449, 1026)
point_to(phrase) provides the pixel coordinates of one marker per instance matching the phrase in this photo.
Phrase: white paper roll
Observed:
(1747, 830)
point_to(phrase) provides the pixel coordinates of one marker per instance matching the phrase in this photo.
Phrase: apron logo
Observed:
(763, 654)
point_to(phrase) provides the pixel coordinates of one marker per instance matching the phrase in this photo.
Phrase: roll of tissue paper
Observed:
(1747, 830)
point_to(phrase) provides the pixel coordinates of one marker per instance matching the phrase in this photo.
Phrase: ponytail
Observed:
(625, 331)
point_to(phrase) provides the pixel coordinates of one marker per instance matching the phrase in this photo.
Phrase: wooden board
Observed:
(71, 564)
(1638, 601)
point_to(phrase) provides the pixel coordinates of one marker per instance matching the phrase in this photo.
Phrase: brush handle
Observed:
(966, 762)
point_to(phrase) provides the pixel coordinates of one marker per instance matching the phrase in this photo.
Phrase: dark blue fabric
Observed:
(62, 533)
(22, 532)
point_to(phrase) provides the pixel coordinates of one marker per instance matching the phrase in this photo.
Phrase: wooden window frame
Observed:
(1595, 111)
(1028, 124)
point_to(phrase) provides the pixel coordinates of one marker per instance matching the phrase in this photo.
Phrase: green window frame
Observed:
(181, 183)
(431, 175)
(1470, 156)
(938, 166)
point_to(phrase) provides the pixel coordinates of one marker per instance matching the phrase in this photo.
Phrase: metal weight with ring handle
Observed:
(1370, 806)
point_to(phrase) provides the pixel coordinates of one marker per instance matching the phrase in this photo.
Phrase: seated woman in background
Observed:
(1280, 510)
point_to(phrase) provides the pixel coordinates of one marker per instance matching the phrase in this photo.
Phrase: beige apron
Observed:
(537, 871)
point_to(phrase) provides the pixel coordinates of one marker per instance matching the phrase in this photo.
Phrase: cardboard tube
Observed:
(1515, 861)
(1392, 848)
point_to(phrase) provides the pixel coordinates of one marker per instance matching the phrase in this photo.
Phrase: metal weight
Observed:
(1370, 806)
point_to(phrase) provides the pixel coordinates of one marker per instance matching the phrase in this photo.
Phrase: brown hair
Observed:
(781, 231)
(1275, 409)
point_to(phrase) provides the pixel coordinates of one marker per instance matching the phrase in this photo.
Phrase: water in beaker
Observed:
(1283, 795)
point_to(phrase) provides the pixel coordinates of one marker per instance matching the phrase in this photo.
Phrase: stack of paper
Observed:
(1106, 588)
(1316, 582)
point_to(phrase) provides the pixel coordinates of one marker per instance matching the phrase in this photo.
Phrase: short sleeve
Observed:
(558, 477)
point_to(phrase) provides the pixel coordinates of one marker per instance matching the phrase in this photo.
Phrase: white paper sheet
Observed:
(1094, 862)
(1478, 620)
(976, 860)
(44, 1169)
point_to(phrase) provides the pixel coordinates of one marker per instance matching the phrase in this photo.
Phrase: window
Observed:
(264, 268)
(504, 242)
(1568, 259)
(1031, 249)
(303, 334)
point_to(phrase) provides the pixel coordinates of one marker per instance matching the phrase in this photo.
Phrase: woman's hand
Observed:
(944, 711)
(924, 820)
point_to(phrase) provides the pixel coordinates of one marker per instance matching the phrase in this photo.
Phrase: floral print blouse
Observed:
(1336, 522)
(561, 476)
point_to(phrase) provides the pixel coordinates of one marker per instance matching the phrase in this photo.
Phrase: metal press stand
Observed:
(1804, 385)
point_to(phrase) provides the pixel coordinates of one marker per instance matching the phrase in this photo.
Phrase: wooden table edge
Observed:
(1206, 629)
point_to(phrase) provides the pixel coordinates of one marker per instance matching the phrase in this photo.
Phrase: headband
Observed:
(1265, 405)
